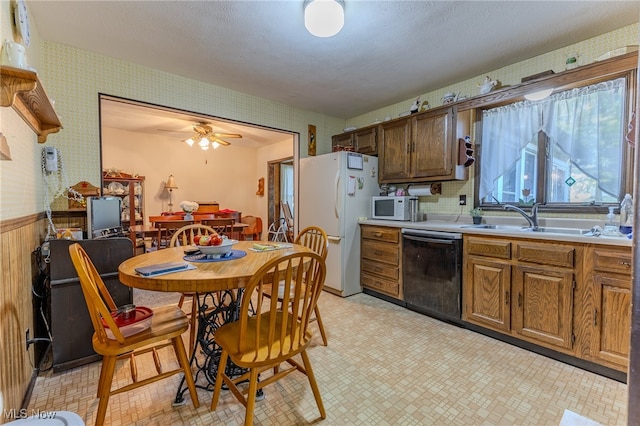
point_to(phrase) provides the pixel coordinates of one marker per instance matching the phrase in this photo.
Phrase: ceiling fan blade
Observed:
(220, 141)
(227, 135)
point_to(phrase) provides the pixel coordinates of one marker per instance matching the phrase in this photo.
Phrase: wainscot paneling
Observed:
(18, 239)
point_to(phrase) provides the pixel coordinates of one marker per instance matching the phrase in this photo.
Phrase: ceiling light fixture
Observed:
(539, 95)
(324, 18)
(204, 135)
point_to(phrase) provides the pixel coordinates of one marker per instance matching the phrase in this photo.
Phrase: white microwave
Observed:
(391, 208)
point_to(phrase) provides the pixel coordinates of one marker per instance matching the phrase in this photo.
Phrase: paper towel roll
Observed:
(424, 190)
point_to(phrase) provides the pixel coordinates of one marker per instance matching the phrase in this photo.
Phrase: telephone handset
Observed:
(50, 159)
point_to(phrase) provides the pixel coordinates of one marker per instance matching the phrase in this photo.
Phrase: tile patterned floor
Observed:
(384, 365)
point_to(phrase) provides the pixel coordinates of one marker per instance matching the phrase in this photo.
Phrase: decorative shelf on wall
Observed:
(22, 90)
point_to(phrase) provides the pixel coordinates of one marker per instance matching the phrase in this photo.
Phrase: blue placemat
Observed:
(201, 257)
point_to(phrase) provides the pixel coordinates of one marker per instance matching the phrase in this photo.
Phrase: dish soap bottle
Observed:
(626, 215)
(611, 225)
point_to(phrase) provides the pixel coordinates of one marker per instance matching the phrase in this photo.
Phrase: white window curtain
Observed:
(506, 131)
(584, 123)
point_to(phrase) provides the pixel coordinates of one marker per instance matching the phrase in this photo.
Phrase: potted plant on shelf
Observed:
(476, 215)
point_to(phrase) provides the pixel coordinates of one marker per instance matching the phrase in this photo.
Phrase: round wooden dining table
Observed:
(218, 287)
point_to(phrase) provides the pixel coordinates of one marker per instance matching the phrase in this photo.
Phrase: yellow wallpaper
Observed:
(588, 51)
(74, 78)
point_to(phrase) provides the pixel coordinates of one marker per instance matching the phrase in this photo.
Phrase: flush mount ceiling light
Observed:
(538, 96)
(324, 18)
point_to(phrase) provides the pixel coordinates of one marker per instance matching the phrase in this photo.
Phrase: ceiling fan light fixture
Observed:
(324, 18)
(215, 144)
(204, 142)
(189, 141)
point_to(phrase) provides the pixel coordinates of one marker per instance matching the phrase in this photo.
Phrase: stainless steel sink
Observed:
(549, 229)
(497, 227)
(571, 231)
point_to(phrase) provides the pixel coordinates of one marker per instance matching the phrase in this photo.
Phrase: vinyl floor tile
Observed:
(384, 365)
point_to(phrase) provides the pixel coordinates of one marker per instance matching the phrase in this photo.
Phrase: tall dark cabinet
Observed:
(71, 326)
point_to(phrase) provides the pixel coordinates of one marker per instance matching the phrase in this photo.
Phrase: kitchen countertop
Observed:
(452, 223)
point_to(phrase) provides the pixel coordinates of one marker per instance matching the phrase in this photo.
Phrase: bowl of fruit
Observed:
(214, 245)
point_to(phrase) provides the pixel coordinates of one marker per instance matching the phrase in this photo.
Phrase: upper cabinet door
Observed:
(395, 151)
(432, 150)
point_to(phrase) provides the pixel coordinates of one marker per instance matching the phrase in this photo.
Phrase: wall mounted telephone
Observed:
(50, 159)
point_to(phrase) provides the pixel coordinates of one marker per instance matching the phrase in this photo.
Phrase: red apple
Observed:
(216, 240)
(196, 239)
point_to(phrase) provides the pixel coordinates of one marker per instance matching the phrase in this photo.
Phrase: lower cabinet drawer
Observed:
(389, 287)
(378, 268)
(381, 252)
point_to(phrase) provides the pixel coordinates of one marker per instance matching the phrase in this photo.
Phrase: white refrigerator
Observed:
(335, 190)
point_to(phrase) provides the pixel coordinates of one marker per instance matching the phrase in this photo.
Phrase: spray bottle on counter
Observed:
(626, 215)
(611, 224)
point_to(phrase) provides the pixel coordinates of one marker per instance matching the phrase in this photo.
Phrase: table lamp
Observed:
(170, 185)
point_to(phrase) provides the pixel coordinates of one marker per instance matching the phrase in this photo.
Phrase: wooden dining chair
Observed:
(185, 237)
(166, 229)
(166, 328)
(254, 230)
(316, 239)
(263, 341)
(288, 217)
(221, 226)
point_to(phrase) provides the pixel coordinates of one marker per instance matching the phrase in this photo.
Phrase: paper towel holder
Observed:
(425, 190)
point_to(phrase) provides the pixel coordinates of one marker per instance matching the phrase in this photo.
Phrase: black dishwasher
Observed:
(432, 273)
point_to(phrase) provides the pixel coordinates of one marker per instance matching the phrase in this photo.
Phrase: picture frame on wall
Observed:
(311, 149)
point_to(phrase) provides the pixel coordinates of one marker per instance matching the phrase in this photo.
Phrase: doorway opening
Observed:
(281, 188)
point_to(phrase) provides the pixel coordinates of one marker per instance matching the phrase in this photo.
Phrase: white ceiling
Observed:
(387, 52)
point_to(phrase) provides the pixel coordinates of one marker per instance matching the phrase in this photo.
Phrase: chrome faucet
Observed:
(532, 219)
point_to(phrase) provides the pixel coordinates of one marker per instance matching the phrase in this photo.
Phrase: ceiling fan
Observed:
(204, 136)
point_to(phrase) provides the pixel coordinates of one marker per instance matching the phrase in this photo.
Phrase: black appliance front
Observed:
(432, 273)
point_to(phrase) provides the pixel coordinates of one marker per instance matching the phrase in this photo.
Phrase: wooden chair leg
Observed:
(178, 348)
(222, 365)
(104, 387)
(181, 301)
(251, 397)
(314, 385)
(320, 325)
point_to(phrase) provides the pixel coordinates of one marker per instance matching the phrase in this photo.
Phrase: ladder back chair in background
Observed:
(167, 325)
(288, 218)
(265, 339)
(166, 229)
(316, 239)
(223, 226)
(184, 237)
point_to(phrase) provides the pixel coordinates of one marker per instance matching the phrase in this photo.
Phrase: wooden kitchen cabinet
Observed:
(609, 316)
(364, 141)
(394, 153)
(380, 260)
(422, 147)
(521, 288)
(487, 299)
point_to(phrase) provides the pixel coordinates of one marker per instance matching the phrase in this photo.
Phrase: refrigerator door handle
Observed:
(334, 239)
(336, 207)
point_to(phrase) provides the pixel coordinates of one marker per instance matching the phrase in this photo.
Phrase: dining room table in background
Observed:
(218, 284)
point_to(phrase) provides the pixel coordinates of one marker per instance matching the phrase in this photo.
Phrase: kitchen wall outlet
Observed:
(463, 200)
